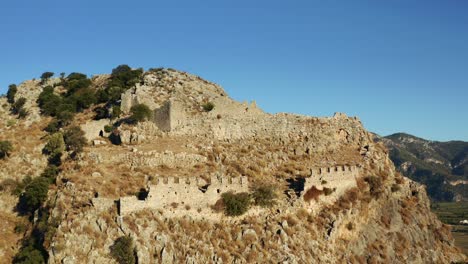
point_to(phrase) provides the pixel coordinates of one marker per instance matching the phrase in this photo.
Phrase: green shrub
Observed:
(208, 106)
(65, 118)
(46, 76)
(122, 78)
(29, 255)
(48, 101)
(84, 98)
(21, 185)
(18, 105)
(21, 227)
(23, 113)
(35, 193)
(101, 113)
(50, 173)
(140, 112)
(116, 111)
(52, 127)
(12, 90)
(108, 128)
(74, 139)
(5, 149)
(55, 144)
(76, 81)
(236, 203)
(123, 250)
(264, 196)
(55, 159)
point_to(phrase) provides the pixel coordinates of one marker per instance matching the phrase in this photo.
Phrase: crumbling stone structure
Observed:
(184, 193)
(341, 178)
(170, 115)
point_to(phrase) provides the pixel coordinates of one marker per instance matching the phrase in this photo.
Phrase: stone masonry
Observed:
(193, 193)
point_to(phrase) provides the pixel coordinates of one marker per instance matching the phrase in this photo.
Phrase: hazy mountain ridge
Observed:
(442, 166)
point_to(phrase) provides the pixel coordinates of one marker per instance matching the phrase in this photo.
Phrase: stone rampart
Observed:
(337, 178)
(184, 193)
(170, 115)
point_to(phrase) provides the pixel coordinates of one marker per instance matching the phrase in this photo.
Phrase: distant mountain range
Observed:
(441, 166)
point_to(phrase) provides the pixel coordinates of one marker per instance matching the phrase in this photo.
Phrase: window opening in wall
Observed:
(101, 133)
(218, 191)
(142, 194)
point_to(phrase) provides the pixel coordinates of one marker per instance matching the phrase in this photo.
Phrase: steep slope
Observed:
(163, 183)
(442, 166)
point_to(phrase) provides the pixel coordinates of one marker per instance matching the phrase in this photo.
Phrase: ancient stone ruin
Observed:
(184, 193)
(174, 194)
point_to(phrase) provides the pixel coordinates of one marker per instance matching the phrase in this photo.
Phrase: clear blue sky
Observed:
(399, 65)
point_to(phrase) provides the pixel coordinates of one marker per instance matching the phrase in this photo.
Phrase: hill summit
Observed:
(161, 166)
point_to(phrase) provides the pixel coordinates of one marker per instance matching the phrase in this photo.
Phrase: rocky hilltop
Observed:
(172, 170)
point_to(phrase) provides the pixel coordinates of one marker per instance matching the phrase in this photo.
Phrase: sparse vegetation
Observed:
(208, 106)
(140, 112)
(18, 106)
(46, 76)
(108, 128)
(123, 250)
(5, 149)
(54, 145)
(12, 90)
(236, 204)
(50, 173)
(122, 79)
(29, 254)
(74, 139)
(52, 127)
(116, 112)
(35, 193)
(375, 185)
(264, 195)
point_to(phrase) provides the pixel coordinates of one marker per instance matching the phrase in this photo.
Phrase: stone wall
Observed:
(170, 115)
(93, 128)
(184, 193)
(337, 178)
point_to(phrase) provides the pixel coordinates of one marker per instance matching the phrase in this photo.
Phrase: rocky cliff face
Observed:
(373, 216)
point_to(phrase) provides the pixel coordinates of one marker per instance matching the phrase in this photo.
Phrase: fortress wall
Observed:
(340, 177)
(161, 117)
(93, 127)
(169, 116)
(177, 114)
(184, 193)
(131, 204)
(102, 204)
(156, 159)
